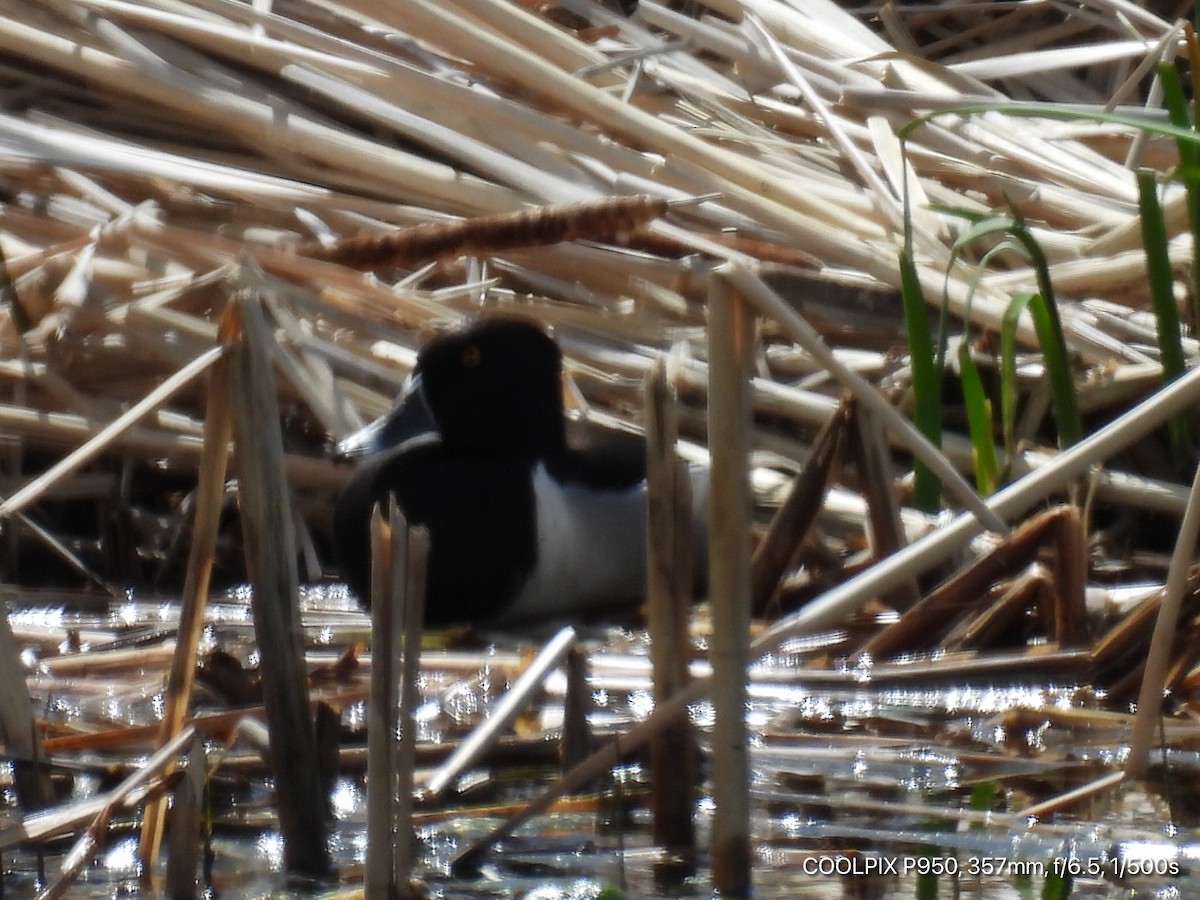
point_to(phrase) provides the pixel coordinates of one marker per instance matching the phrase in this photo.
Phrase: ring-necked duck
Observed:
(525, 521)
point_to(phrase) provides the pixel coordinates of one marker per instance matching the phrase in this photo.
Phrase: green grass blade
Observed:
(1009, 389)
(1056, 887)
(1046, 323)
(926, 378)
(1176, 103)
(979, 422)
(979, 406)
(981, 226)
(926, 364)
(1062, 385)
(1058, 370)
(1053, 343)
(1061, 113)
(1193, 50)
(983, 799)
(927, 881)
(1162, 296)
(985, 226)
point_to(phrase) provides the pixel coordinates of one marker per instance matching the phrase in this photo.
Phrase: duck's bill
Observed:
(409, 418)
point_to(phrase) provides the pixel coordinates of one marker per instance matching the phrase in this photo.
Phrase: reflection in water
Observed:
(858, 765)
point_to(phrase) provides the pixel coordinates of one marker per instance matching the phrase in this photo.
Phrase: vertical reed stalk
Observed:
(868, 449)
(398, 556)
(668, 597)
(413, 545)
(730, 334)
(577, 742)
(269, 537)
(183, 853)
(382, 710)
(210, 491)
(1071, 570)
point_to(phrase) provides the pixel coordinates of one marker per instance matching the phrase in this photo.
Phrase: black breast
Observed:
(481, 518)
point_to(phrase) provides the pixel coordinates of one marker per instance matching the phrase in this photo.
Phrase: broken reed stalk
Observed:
(187, 809)
(784, 538)
(937, 609)
(1005, 604)
(668, 601)
(777, 201)
(1149, 704)
(68, 428)
(379, 877)
(410, 544)
(67, 555)
(268, 532)
(1070, 798)
(885, 531)
(1132, 631)
(502, 715)
(209, 495)
(89, 842)
(576, 741)
(606, 219)
(1013, 500)
(1069, 626)
(76, 460)
(833, 606)
(730, 343)
(53, 822)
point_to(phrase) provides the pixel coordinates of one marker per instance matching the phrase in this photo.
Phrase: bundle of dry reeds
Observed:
(374, 173)
(151, 152)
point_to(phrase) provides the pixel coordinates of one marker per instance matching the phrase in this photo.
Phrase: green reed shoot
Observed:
(1162, 296)
(979, 407)
(926, 370)
(1016, 238)
(1039, 310)
(979, 422)
(1056, 886)
(926, 380)
(1041, 304)
(1044, 309)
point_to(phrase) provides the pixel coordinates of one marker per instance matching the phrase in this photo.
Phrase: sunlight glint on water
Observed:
(850, 765)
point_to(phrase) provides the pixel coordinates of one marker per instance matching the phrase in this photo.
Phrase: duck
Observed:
(531, 517)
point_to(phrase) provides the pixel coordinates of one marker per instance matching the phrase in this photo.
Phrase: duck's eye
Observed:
(471, 357)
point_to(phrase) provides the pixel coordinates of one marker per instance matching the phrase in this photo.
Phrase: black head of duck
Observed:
(492, 389)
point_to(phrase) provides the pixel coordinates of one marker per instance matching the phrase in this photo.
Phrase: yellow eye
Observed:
(471, 357)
